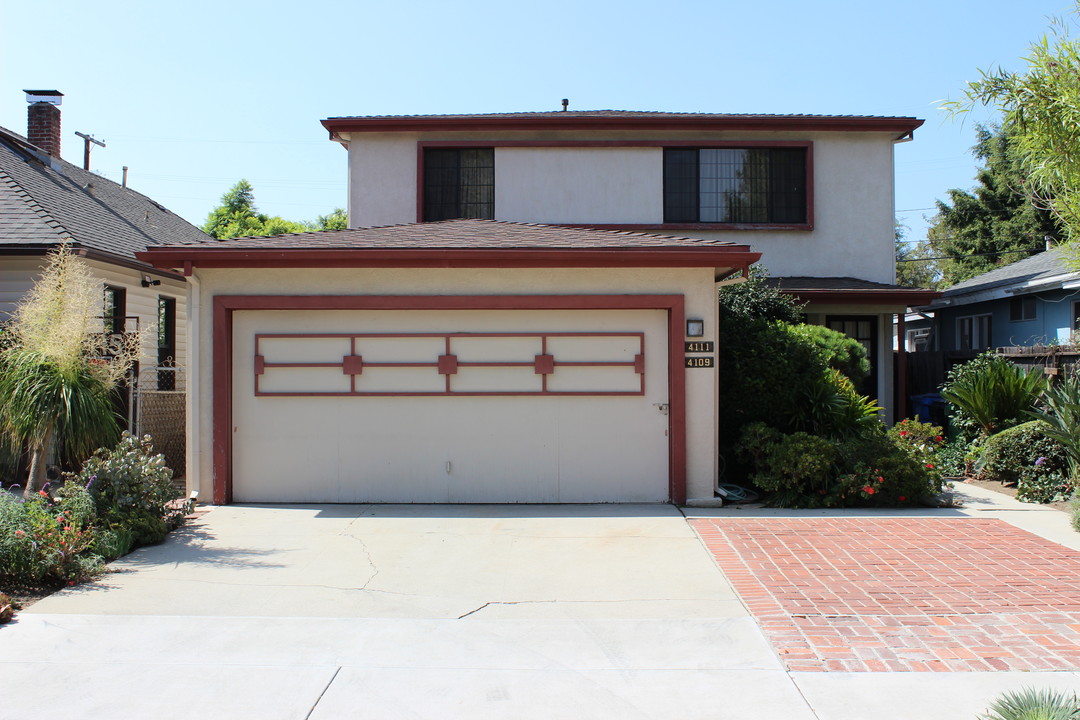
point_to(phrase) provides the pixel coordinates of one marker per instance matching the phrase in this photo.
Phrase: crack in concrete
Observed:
(571, 602)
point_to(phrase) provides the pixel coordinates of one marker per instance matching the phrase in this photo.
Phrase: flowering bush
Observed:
(870, 469)
(44, 540)
(7, 608)
(1028, 456)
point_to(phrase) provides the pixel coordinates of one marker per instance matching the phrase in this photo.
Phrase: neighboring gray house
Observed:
(46, 201)
(1034, 301)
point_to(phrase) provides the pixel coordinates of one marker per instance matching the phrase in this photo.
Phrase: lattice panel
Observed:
(422, 364)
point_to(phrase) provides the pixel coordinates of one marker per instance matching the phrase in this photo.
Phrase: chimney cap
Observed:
(53, 97)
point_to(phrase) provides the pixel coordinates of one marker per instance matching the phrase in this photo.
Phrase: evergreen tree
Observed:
(998, 222)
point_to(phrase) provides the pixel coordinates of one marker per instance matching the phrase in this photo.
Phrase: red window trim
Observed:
(222, 348)
(808, 144)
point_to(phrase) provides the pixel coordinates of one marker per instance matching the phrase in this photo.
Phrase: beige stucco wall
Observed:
(853, 191)
(696, 285)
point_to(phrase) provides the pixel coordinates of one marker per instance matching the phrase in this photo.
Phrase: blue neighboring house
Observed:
(1034, 301)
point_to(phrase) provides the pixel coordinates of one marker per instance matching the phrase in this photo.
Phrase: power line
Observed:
(958, 257)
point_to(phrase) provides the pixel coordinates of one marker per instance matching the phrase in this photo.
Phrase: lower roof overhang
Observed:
(906, 298)
(722, 259)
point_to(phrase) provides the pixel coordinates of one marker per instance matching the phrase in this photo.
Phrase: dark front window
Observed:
(1022, 308)
(735, 185)
(862, 328)
(459, 183)
(166, 342)
(115, 309)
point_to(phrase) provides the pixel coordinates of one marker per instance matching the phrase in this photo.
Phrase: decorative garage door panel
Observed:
(450, 406)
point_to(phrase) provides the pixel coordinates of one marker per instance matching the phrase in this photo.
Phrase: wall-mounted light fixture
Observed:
(148, 281)
(695, 328)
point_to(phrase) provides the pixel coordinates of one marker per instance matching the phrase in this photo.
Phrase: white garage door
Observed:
(450, 406)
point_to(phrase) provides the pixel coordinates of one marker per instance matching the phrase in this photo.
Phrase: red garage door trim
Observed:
(225, 305)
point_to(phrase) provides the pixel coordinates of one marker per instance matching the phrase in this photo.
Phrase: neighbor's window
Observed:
(973, 332)
(115, 309)
(736, 185)
(1022, 308)
(459, 183)
(166, 342)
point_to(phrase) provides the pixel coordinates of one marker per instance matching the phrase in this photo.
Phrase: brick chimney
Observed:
(43, 119)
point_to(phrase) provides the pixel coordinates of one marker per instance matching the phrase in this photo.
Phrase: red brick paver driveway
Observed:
(912, 594)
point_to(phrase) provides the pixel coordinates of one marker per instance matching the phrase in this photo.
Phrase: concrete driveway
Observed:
(403, 612)
(440, 612)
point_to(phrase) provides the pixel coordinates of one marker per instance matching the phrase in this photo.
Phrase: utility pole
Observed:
(87, 139)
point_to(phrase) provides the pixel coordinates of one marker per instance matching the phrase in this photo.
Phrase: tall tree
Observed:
(237, 216)
(999, 221)
(1041, 107)
(915, 262)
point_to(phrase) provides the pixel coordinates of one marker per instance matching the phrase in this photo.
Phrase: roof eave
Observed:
(892, 296)
(903, 126)
(738, 256)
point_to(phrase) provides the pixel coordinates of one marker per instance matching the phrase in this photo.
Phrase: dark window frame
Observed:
(445, 194)
(166, 342)
(1023, 308)
(966, 340)
(869, 385)
(114, 309)
(689, 215)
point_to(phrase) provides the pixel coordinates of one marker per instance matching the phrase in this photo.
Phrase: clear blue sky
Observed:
(193, 96)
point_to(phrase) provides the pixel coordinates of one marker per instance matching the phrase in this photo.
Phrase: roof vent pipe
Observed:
(1049, 241)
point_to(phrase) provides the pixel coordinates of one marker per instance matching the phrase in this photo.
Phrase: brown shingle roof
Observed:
(620, 119)
(466, 234)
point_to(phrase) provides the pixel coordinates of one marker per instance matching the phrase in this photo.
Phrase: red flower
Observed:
(869, 489)
(930, 465)
(43, 494)
(938, 438)
(19, 533)
(880, 479)
(903, 433)
(902, 498)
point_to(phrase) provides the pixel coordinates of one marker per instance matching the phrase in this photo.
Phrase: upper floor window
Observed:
(459, 183)
(736, 185)
(1022, 308)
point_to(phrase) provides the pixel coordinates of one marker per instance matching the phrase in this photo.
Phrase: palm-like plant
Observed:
(58, 377)
(1032, 704)
(997, 396)
(1060, 410)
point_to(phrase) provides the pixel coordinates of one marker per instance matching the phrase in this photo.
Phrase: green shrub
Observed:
(990, 394)
(794, 468)
(836, 350)
(1074, 507)
(1028, 456)
(133, 490)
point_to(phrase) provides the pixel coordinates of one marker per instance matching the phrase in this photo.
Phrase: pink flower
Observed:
(19, 533)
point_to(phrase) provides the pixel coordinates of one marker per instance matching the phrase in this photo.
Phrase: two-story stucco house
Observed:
(524, 308)
(812, 194)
